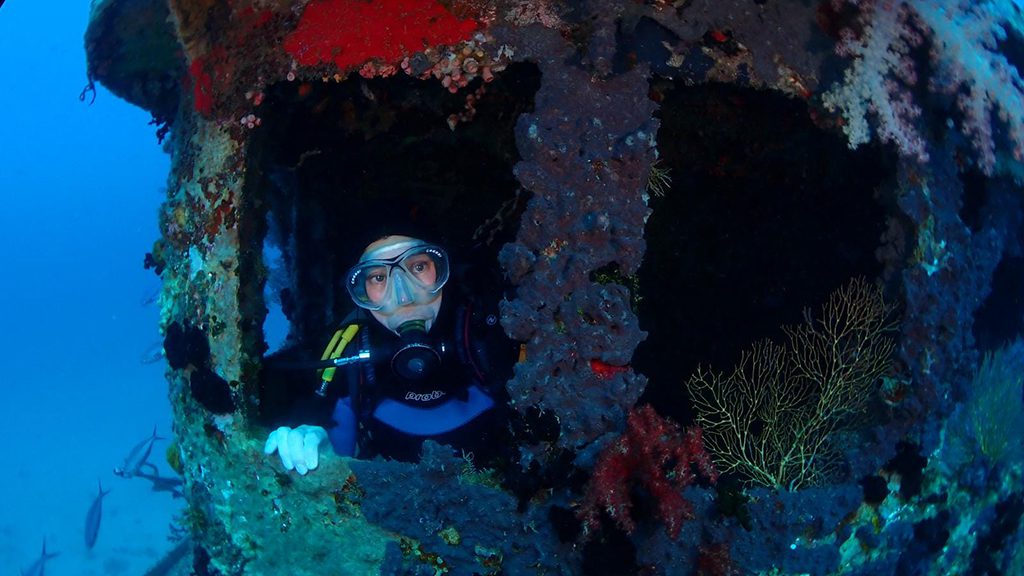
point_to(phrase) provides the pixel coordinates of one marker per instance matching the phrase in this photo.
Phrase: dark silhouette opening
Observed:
(766, 215)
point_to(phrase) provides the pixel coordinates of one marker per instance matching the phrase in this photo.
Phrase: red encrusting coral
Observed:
(655, 453)
(603, 370)
(228, 69)
(202, 86)
(349, 33)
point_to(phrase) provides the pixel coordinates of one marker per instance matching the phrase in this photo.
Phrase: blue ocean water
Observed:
(80, 185)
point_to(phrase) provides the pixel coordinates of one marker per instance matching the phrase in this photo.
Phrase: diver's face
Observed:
(419, 268)
(399, 279)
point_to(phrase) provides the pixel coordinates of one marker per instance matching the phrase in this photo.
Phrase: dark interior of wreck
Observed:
(760, 220)
(348, 162)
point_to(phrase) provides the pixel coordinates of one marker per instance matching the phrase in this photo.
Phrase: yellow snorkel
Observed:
(333, 351)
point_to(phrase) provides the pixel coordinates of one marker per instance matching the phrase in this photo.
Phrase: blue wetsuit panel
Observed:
(436, 419)
(343, 433)
(407, 419)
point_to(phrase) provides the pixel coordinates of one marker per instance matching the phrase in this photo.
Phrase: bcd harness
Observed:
(411, 361)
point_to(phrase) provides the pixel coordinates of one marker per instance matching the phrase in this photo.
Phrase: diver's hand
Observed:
(298, 447)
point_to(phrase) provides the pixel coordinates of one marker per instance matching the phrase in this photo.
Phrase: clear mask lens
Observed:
(413, 277)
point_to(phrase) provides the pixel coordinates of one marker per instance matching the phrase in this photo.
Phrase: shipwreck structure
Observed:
(662, 183)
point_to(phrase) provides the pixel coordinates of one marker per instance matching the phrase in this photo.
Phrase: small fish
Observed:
(154, 353)
(38, 568)
(150, 297)
(93, 518)
(164, 484)
(136, 459)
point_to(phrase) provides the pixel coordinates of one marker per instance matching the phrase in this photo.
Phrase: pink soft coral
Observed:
(969, 59)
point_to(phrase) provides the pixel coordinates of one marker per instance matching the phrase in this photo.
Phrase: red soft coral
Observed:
(656, 453)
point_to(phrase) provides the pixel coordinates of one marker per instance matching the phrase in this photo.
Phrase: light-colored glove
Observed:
(299, 448)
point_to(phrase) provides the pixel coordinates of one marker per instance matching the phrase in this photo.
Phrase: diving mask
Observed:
(410, 272)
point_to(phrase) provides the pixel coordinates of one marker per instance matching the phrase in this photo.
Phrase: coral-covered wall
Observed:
(586, 154)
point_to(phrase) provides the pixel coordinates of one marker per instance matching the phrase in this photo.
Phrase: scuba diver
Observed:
(415, 362)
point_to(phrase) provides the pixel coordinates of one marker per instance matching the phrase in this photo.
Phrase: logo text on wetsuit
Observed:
(424, 397)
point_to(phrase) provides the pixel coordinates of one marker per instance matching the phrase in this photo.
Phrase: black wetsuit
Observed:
(461, 403)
